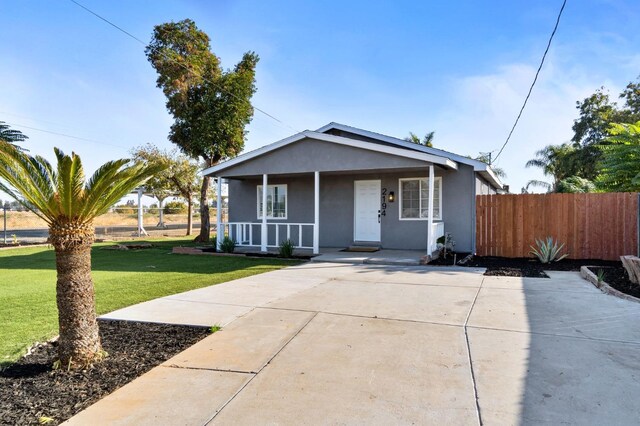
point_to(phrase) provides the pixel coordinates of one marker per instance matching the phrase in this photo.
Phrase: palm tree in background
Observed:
(557, 161)
(426, 141)
(68, 203)
(11, 136)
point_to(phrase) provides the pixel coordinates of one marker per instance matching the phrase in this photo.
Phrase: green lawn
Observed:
(27, 284)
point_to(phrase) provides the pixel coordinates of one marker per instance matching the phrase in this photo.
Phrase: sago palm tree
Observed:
(68, 203)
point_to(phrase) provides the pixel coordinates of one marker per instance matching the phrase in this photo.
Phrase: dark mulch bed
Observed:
(30, 389)
(616, 277)
(522, 267)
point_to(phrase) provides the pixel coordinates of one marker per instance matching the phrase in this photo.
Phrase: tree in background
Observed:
(619, 166)
(575, 184)
(211, 107)
(178, 178)
(186, 180)
(11, 136)
(556, 161)
(68, 204)
(426, 141)
(160, 185)
(596, 115)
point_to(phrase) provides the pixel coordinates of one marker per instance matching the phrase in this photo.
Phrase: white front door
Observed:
(367, 211)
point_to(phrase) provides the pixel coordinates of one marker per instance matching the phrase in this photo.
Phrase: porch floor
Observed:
(381, 257)
(336, 255)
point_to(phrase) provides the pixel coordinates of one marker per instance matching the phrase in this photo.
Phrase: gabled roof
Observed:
(372, 146)
(478, 166)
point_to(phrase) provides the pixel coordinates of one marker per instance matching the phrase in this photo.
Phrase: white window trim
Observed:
(436, 181)
(259, 199)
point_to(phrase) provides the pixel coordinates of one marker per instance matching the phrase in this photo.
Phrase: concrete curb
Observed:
(191, 250)
(603, 286)
(25, 246)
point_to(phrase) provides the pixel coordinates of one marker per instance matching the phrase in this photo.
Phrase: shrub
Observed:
(227, 245)
(125, 209)
(174, 207)
(286, 249)
(547, 251)
(214, 240)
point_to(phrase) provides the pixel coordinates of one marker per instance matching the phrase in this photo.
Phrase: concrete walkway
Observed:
(366, 344)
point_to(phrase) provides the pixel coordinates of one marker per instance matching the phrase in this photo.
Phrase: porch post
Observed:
(316, 213)
(430, 213)
(219, 227)
(263, 230)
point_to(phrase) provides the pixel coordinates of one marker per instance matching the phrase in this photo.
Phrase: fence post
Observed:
(638, 225)
(4, 207)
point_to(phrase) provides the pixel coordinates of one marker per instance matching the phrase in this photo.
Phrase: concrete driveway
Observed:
(347, 344)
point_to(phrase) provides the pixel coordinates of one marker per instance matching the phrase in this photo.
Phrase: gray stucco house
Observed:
(340, 186)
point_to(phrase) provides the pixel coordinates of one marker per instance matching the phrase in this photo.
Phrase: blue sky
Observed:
(461, 68)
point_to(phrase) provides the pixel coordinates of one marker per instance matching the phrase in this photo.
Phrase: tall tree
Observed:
(556, 161)
(619, 167)
(596, 115)
(68, 204)
(211, 107)
(426, 141)
(11, 136)
(159, 185)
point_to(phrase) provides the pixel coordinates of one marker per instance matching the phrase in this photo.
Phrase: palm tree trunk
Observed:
(79, 342)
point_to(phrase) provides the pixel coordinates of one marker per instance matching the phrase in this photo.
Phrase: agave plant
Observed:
(547, 250)
(68, 204)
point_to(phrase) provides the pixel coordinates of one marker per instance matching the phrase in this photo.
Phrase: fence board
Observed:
(592, 226)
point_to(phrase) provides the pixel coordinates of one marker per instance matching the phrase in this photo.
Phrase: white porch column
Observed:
(141, 230)
(430, 213)
(263, 230)
(219, 227)
(316, 213)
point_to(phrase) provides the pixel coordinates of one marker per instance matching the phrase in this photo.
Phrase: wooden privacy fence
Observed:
(592, 226)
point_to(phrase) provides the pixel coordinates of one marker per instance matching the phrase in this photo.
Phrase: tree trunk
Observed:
(204, 212)
(189, 214)
(79, 342)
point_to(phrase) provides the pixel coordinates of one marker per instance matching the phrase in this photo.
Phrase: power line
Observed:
(181, 64)
(64, 135)
(555, 28)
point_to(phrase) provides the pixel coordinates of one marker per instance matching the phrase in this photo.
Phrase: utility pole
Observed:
(4, 208)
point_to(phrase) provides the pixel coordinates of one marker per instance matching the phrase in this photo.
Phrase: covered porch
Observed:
(322, 212)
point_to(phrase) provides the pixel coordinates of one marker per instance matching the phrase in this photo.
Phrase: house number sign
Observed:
(383, 202)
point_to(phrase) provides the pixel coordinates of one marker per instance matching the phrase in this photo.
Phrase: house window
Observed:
(276, 201)
(414, 199)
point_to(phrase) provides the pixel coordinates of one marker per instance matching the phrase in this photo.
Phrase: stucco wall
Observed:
(483, 187)
(313, 155)
(337, 205)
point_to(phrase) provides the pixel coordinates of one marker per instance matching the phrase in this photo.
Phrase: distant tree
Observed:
(556, 161)
(11, 136)
(426, 141)
(575, 184)
(211, 107)
(186, 179)
(68, 204)
(619, 166)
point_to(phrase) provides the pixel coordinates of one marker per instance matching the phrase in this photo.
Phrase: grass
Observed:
(122, 278)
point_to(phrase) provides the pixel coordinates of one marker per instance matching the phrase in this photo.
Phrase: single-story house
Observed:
(340, 186)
